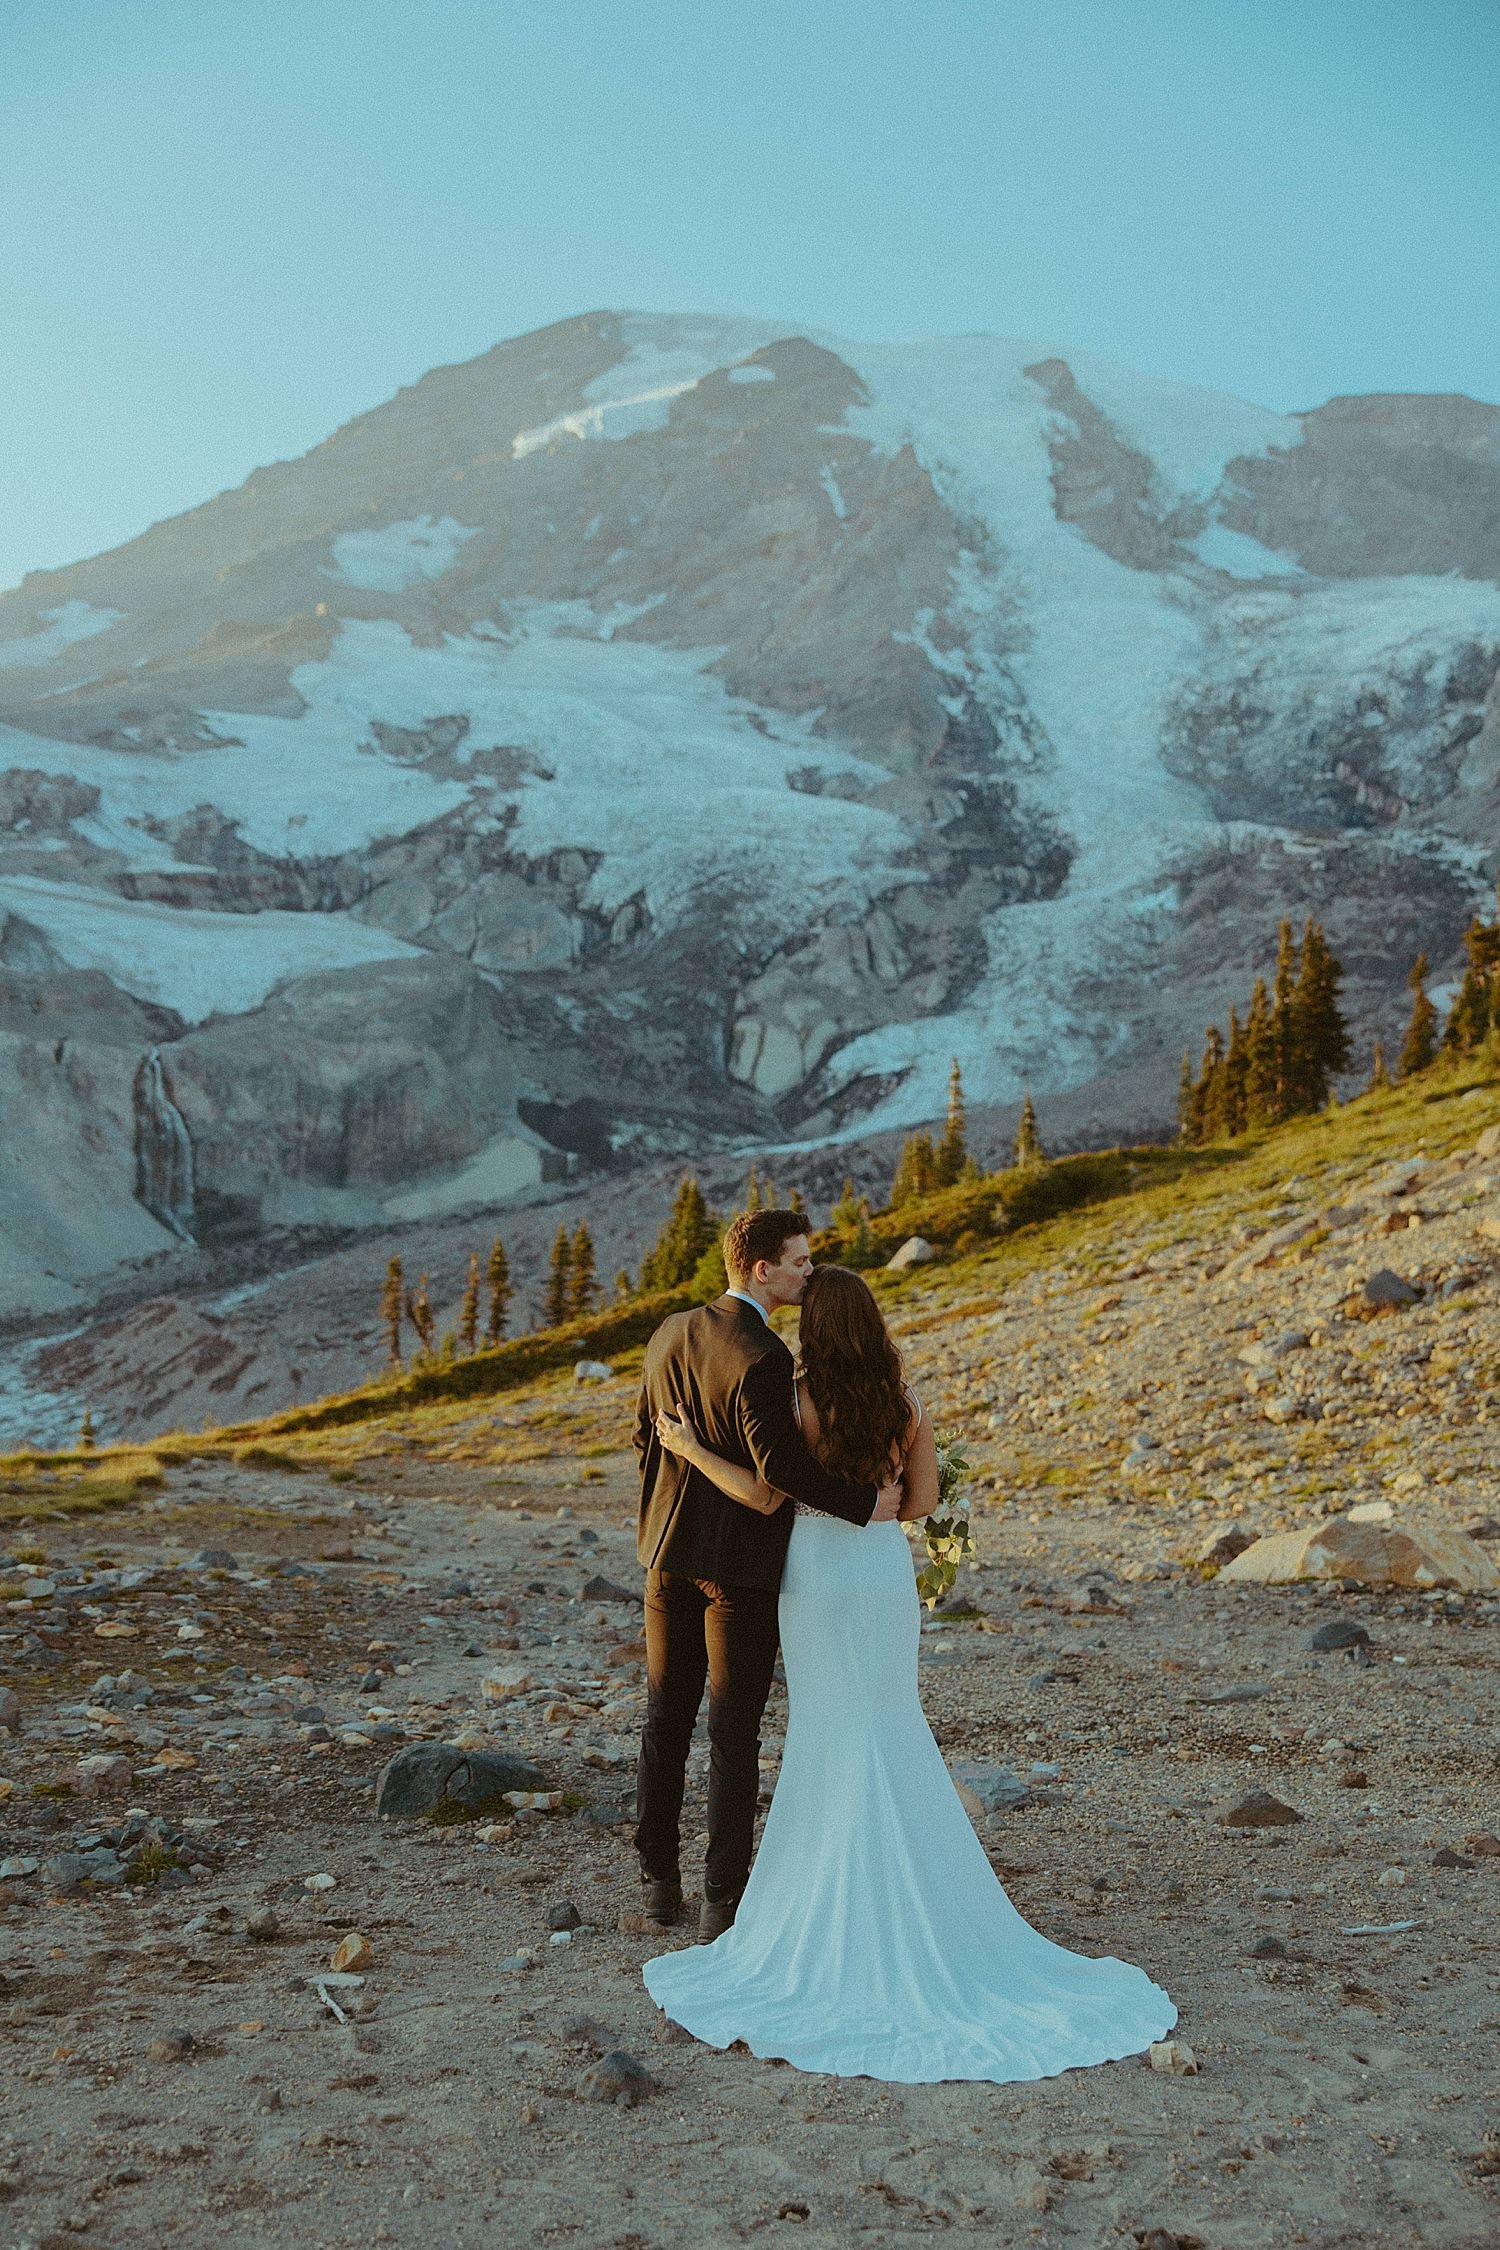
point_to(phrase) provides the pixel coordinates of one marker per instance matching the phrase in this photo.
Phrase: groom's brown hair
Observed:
(759, 1234)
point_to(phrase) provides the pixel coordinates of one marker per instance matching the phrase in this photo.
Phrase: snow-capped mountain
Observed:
(663, 731)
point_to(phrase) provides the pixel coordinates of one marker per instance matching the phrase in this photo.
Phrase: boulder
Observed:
(1369, 1554)
(505, 1680)
(104, 1774)
(913, 1252)
(10, 1710)
(424, 1775)
(1488, 1143)
(592, 1371)
(1339, 1632)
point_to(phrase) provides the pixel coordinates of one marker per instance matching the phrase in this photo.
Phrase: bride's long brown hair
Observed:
(853, 1374)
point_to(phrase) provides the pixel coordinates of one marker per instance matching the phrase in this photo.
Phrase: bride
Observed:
(874, 1938)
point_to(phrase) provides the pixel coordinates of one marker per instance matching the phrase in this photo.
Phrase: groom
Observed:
(713, 1567)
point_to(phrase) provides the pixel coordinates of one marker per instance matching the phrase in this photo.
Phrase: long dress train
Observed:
(874, 1938)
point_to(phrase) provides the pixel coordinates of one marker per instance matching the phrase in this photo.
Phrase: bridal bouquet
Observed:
(949, 1535)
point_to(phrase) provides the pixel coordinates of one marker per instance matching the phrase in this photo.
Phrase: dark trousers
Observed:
(696, 1630)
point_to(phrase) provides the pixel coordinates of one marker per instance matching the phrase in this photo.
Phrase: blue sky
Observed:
(228, 225)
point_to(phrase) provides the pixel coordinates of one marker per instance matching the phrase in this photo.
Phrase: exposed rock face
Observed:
(665, 730)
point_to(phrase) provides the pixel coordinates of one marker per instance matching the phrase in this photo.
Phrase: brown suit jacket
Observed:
(733, 1374)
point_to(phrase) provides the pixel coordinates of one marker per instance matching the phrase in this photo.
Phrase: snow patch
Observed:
(75, 621)
(398, 555)
(1239, 556)
(196, 963)
(830, 484)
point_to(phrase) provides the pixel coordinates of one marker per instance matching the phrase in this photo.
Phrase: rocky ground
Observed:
(206, 1684)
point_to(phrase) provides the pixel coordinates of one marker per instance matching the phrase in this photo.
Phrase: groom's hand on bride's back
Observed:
(888, 1502)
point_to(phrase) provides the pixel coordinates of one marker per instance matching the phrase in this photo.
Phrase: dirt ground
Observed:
(1348, 2090)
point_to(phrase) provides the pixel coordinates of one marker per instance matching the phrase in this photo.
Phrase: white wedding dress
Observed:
(874, 1938)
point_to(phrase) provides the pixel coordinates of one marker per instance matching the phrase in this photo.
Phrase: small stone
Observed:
(353, 1952)
(1268, 1949)
(563, 1916)
(268, 2101)
(1386, 1289)
(104, 1775)
(1257, 1810)
(1174, 2056)
(592, 1371)
(17, 1867)
(1377, 1511)
(561, 1937)
(506, 1680)
(1391, 1879)
(1339, 1632)
(263, 1926)
(10, 1710)
(322, 1882)
(1446, 1857)
(580, 2025)
(617, 2077)
(1484, 1846)
(605, 1590)
(984, 1788)
(170, 2046)
(215, 1558)
(1220, 1547)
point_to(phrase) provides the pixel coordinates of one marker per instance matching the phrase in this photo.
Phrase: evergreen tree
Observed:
(756, 1198)
(1319, 1042)
(86, 1432)
(952, 1151)
(583, 1280)
(497, 1274)
(1475, 1012)
(1230, 1108)
(421, 1315)
(1419, 1047)
(624, 1286)
(1283, 989)
(1208, 1090)
(916, 1173)
(1028, 1148)
(794, 1202)
(468, 1312)
(690, 1229)
(392, 1304)
(844, 1217)
(1380, 1077)
(1260, 1059)
(1187, 1101)
(558, 1293)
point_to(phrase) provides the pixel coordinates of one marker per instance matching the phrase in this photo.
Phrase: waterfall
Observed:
(163, 1150)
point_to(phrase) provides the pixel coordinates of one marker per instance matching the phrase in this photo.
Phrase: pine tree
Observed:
(756, 1198)
(583, 1280)
(1260, 1059)
(555, 1299)
(468, 1312)
(624, 1286)
(844, 1217)
(497, 1274)
(690, 1229)
(952, 1151)
(1208, 1090)
(392, 1305)
(794, 1202)
(86, 1432)
(1283, 1034)
(1028, 1148)
(916, 1172)
(1187, 1101)
(1230, 1108)
(1380, 1077)
(1319, 1044)
(1419, 1047)
(1475, 1012)
(421, 1315)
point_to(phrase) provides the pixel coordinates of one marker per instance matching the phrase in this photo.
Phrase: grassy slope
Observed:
(1071, 1215)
